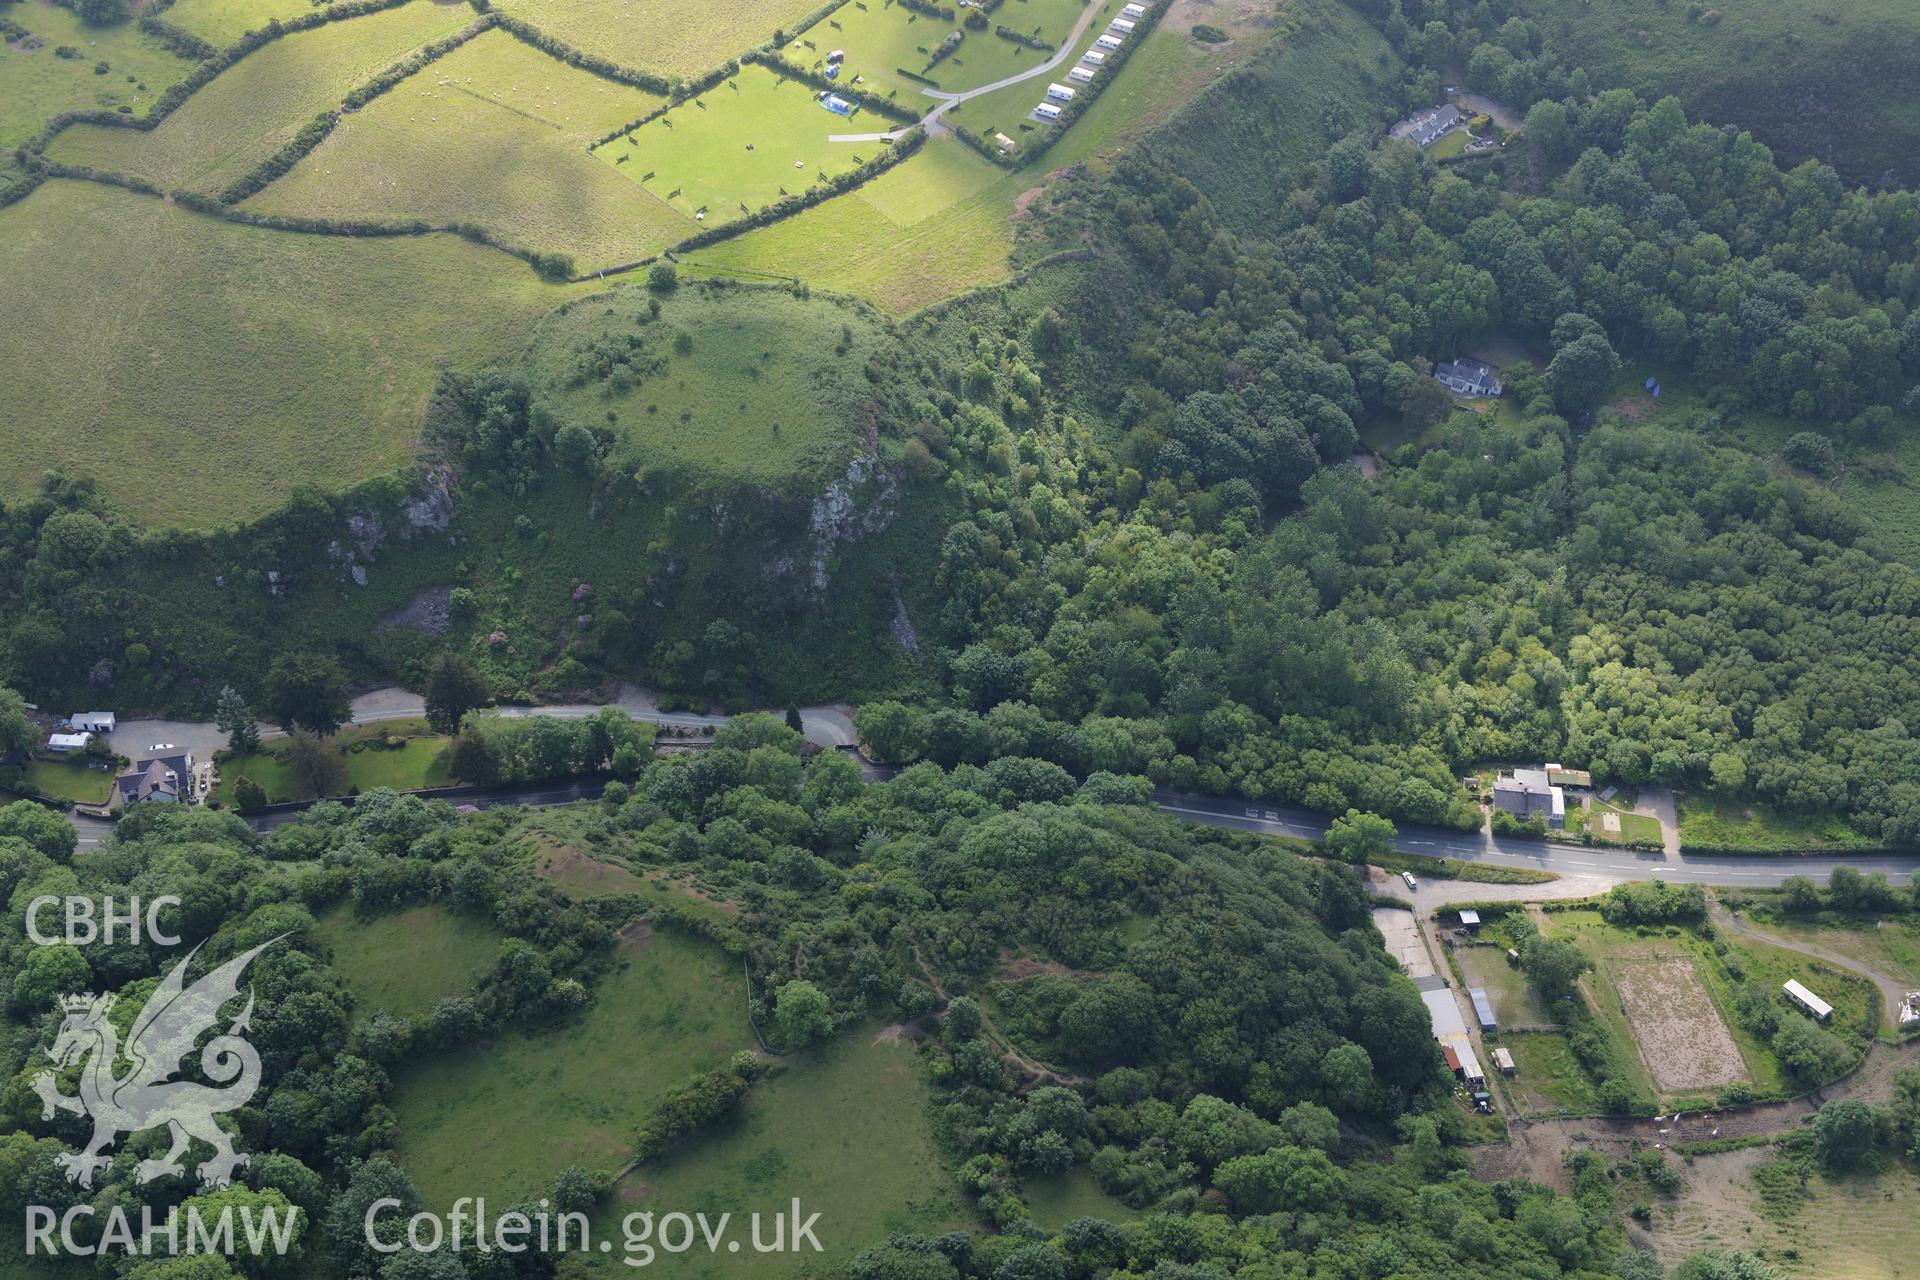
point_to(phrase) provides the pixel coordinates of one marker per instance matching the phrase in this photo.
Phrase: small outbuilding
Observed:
(1503, 1059)
(1483, 1010)
(91, 721)
(1812, 1004)
(1469, 918)
(68, 743)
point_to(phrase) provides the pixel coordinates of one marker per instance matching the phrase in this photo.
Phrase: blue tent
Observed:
(1656, 392)
(1649, 384)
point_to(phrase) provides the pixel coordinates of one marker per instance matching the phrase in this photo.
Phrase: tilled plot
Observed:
(1682, 1037)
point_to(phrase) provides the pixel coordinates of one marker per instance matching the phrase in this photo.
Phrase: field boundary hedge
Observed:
(794, 71)
(318, 129)
(197, 79)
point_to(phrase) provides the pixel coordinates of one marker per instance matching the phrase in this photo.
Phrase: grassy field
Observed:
(1711, 822)
(665, 36)
(421, 763)
(143, 340)
(894, 242)
(1853, 1228)
(70, 780)
(39, 84)
(256, 106)
(844, 1128)
(740, 146)
(768, 382)
(405, 963)
(1058, 1199)
(1808, 77)
(1547, 1077)
(1515, 1002)
(496, 134)
(570, 1094)
(882, 37)
(221, 22)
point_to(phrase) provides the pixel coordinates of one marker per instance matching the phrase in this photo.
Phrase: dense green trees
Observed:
(308, 691)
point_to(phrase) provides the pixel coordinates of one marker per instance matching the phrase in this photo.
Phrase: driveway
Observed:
(1069, 50)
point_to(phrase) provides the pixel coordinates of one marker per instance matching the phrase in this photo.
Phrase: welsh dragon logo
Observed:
(148, 1095)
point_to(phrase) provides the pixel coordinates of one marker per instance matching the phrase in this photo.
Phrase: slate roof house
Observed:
(1431, 126)
(1526, 793)
(1468, 377)
(163, 779)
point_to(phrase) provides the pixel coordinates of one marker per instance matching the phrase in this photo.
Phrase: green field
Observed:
(1058, 1199)
(421, 763)
(255, 107)
(500, 1120)
(670, 37)
(1715, 823)
(496, 134)
(69, 780)
(882, 37)
(201, 370)
(895, 243)
(1808, 77)
(405, 963)
(771, 382)
(741, 146)
(222, 22)
(1547, 1077)
(37, 84)
(844, 1128)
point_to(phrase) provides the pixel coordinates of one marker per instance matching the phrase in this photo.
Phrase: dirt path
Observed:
(1892, 990)
(1031, 1073)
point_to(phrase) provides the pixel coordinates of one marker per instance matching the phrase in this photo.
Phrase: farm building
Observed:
(1109, 42)
(1526, 793)
(1122, 25)
(1483, 1010)
(1451, 1031)
(1080, 75)
(1060, 93)
(91, 721)
(1047, 111)
(67, 743)
(1503, 1059)
(1808, 1001)
(1093, 57)
(1468, 377)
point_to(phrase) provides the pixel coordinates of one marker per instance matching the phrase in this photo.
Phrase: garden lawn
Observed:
(494, 134)
(36, 84)
(843, 1127)
(882, 38)
(669, 37)
(222, 22)
(200, 371)
(500, 1120)
(769, 384)
(741, 146)
(421, 763)
(256, 106)
(407, 962)
(70, 780)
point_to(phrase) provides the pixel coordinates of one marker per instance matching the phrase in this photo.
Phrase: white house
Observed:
(91, 721)
(1093, 57)
(1060, 93)
(1080, 75)
(1047, 111)
(65, 743)
(1109, 42)
(1123, 25)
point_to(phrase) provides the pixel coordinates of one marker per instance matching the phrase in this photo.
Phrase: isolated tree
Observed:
(235, 719)
(248, 795)
(1809, 450)
(575, 447)
(962, 1020)
(1800, 895)
(308, 691)
(1360, 837)
(802, 1014)
(1843, 1133)
(794, 722)
(1581, 373)
(316, 763)
(1553, 965)
(16, 730)
(100, 13)
(453, 689)
(663, 277)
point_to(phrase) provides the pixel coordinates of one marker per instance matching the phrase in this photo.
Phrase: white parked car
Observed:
(1411, 882)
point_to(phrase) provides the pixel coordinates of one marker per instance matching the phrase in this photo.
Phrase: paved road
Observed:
(1611, 865)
